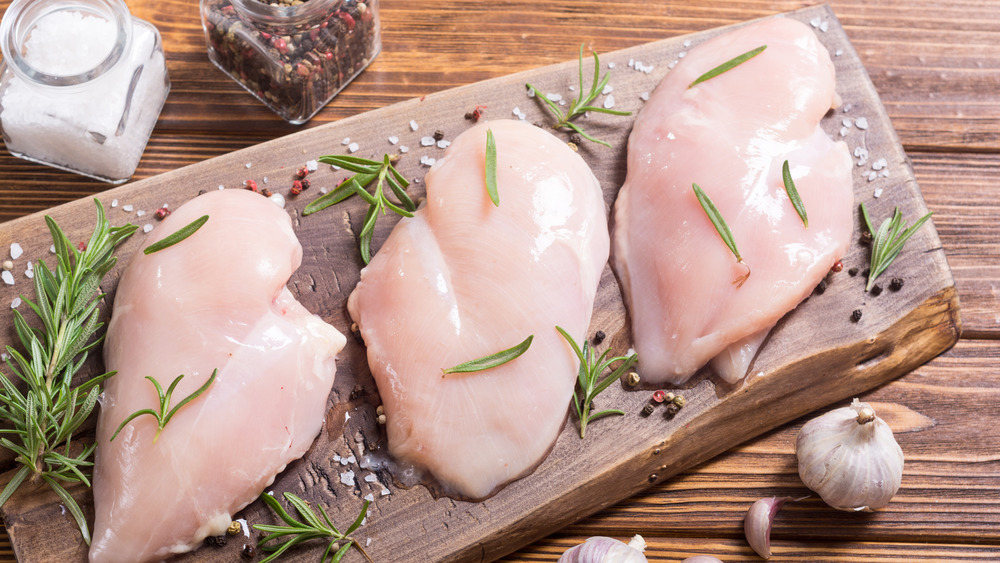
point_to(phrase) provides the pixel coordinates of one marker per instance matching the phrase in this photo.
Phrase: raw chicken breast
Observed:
(215, 300)
(464, 279)
(730, 135)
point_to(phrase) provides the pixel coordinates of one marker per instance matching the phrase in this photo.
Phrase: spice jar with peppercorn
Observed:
(82, 84)
(292, 55)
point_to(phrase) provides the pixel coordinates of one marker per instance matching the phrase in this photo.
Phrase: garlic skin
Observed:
(850, 457)
(600, 549)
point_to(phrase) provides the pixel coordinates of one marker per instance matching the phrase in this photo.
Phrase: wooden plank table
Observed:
(937, 69)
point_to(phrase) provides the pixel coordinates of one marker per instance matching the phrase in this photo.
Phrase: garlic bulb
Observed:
(599, 549)
(850, 458)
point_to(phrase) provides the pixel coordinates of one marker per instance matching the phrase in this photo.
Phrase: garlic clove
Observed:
(600, 549)
(850, 457)
(702, 559)
(758, 521)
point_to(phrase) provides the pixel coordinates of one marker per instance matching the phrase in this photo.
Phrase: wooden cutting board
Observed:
(816, 355)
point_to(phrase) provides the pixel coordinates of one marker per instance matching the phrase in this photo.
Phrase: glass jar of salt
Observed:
(82, 84)
(292, 55)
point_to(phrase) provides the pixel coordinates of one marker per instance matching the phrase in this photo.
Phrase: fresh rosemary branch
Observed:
(491, 168)
(887, 241)
(581, 104)
(793, 194)
(588, 379)
(181, 234)
(491, 361)
(43, 418)
(729, 65)
(723, 229)
(164, 416)
(365, 172)
(311, 528)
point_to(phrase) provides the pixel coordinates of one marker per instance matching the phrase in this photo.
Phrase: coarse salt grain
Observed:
(611, 64)
(427, 161)
(609, 102)
(221, 187)
(426, 141)
(861, 123)
(312, 165)
(8, 278)
(114, 203)
(403, 149)
(552, 97)
(670, 135)
(147, 227)
(370, 497)
(644, 96)
(877, 193)
(607, 90)
(368, 542)
(140, 213)
(413, 125)
(824, 27)
(847, 122)
(52, 249)
(347, 478)
(29, 272)
(385, 492)
(443, 143)
(353, 147)
(371, 478)
(15, 303)
(15, 250)
(838, 52)
(848, 107)
(879, 164)
(682, 54)
(278, 200)
(844, 131)
(265, 179)
(393, 140)
(346, 141)
(127, 208)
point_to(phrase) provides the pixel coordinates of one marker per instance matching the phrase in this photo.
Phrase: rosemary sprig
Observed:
(176, 237)
(42, 419)
(491, 361)
(887, 241)
(723, 229)
(588, 379)
(164, 416)
(491, 168)
(581, 104)
(793, 194)
(729, 65)
(311, 528)
(365, 172)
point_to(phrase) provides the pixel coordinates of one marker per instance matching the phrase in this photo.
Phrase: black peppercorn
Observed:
(438, 135)
(856, 315)
(248, 551)
(852, 272)
(648, 409)
(896, 284)
(866, 239)
(672, 409)
(876, 290)
(821, 288)
(599, 337)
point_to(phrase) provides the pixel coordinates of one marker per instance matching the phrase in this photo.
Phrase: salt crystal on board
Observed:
(15, 250)
(8, 278)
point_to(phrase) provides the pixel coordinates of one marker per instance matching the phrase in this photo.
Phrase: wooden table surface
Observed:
(936, 66)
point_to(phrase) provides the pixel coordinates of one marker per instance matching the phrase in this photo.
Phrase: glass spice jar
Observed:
(292, 55)
(82, 84)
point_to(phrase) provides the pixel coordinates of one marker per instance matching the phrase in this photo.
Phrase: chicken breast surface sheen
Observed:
(216, 300)
(464, 279)
(730, 135)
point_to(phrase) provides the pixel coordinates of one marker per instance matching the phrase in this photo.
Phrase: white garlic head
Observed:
(600, 549)
(850, 458)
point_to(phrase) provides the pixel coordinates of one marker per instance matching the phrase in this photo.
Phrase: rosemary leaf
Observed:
(179, 235)
(491, 361)
(581, 104)
(793, 194)
(491, 168)
(716, 218)
(163, 416)
(366, 172)
(728, 65)
(589, 382)
(887, 241)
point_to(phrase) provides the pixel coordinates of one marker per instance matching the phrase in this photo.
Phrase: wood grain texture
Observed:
(934, 65)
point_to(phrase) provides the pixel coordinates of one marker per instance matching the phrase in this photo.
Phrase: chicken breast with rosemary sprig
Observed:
(712, 243)
(465, 279)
